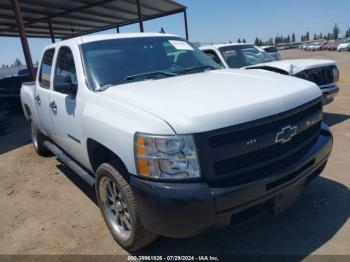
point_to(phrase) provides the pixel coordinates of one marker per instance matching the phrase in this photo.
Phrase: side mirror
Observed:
(67, 88)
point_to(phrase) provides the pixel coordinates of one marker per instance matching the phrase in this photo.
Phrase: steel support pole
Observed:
(117, 29)
(186, 26)
(23, 36)
(140, 15)
(51, 31)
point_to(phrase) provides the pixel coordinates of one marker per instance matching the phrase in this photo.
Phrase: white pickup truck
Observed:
(324, 73)
(173, 143)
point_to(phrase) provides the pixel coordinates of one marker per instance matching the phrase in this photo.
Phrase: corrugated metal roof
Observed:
(76, 17)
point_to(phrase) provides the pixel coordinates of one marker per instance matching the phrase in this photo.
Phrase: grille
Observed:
(246, 133)
(249, 152)
(320, 76)
(271, 152)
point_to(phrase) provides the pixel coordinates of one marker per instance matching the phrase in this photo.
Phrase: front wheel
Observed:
(118, 207)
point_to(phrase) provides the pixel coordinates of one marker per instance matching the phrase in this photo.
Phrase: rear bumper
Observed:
(328, 93)
(186, 209)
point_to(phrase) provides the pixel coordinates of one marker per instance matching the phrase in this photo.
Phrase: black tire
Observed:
(138, 236)
(38, 139)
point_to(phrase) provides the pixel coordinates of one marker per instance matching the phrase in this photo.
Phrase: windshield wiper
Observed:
(106, 85)
(197, 68)
(150, 74)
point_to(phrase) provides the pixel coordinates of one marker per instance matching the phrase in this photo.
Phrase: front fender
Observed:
(114, 123)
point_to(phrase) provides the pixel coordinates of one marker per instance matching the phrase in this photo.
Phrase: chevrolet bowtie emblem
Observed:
(286, 134)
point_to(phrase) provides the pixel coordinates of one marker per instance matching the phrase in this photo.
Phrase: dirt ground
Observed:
(46, 209)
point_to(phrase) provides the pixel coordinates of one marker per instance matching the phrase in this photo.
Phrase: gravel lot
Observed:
(46, 209)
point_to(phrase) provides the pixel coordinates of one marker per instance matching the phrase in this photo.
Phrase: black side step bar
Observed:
(70, 163)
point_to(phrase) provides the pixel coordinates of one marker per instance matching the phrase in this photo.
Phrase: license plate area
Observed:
(285, 199)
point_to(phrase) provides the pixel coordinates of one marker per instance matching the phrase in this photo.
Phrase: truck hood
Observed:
(215, 99)
(294, 66)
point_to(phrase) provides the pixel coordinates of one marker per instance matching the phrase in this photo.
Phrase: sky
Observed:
(226, 20)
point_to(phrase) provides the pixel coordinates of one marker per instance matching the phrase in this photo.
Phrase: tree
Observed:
(17, 63)
(270, 41)
(315, 36)
(239, 40)
(288, 39)
(256, 42)
(307, 36)
(347, 33)
(293, 37)
(336, 31)
(244, 41)
(329, 36)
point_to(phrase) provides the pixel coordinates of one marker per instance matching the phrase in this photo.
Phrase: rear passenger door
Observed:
(43, 92)
(66, 108)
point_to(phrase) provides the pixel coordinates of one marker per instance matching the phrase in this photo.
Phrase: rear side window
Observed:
(65, 67)
(45, 69)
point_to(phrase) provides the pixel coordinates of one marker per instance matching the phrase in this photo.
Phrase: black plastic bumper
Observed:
(186, 209)
(329, 93)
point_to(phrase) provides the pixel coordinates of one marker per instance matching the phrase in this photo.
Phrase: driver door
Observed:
(65, 108)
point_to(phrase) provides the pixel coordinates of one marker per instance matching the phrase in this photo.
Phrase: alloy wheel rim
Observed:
(115, 208)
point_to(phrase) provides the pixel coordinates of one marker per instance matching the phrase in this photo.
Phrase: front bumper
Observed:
(328, 93)
(186, 209)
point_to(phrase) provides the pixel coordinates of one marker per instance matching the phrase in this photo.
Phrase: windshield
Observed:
(243, 55)
(117, 61)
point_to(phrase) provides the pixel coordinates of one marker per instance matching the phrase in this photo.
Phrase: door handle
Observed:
(53, 106)
(37, 99)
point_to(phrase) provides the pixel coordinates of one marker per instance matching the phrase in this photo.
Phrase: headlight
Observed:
(166, 157)
(335, 74)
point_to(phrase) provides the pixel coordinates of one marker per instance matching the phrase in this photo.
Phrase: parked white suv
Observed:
(324, 73)
(174, 144)
(344, 46)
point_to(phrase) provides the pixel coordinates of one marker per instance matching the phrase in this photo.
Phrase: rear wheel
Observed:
(38, 140)
(118, 207)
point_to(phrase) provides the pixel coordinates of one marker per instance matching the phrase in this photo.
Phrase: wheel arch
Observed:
(99, 154)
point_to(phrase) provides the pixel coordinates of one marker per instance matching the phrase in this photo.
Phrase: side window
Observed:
(65, 72)
(213, 56)
(45, 69)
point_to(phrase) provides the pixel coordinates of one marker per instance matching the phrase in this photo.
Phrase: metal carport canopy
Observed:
(69, 18)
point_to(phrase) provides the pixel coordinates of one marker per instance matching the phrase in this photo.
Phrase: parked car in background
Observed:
(317, 46)
(10, 88)
(344, 46)
(325, 45)
(330, 45)
(173, 143)
(324, 73)
(314, 46)
(273, 51)
(333, 45)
